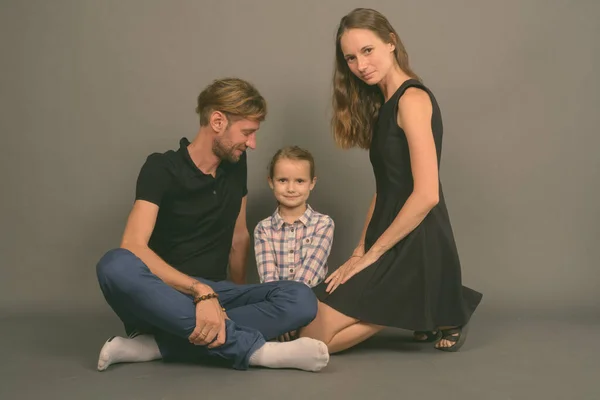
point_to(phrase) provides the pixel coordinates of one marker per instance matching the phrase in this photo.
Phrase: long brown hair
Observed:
(356, 104)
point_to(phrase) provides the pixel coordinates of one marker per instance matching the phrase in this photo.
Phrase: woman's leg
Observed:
(352, 335)
(328, 323)
(338, 331)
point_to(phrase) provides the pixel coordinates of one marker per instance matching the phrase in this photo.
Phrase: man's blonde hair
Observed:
(234, 97)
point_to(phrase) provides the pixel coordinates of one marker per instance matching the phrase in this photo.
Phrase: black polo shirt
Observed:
(197, 212)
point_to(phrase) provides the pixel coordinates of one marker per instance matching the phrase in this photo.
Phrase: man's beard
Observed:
(224, 152)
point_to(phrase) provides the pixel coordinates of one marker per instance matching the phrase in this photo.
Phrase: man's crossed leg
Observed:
(167, 318)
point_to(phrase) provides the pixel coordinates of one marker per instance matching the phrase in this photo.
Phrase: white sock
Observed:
(117, 350)
(304, 353)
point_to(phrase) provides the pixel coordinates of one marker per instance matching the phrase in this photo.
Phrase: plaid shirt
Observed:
(295, 251)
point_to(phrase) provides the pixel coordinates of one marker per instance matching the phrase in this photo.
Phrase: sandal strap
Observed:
(428, 334)
(425, 333)
(452, 339)
(452, 332)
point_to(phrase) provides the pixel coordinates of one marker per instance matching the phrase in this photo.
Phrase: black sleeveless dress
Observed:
(417, 284)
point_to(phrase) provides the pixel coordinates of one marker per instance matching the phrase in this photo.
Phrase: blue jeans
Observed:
(257, 312)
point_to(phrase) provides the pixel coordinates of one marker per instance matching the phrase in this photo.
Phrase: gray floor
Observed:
(509, 355)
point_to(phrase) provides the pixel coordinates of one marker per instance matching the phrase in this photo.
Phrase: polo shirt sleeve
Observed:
(153, 180)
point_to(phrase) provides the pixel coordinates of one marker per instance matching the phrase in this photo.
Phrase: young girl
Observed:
(295, 241)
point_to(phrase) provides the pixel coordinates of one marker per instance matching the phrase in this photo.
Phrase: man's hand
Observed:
(210, 324)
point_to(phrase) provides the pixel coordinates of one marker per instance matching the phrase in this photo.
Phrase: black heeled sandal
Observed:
(457, 336)
(430, 336)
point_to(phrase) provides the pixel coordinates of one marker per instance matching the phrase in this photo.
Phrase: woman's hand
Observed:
(353, 266)
(286, 337)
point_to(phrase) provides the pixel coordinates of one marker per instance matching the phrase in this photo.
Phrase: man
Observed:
(167, 283)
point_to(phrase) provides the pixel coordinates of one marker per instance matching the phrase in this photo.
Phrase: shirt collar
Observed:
(277, 222)
(183, 149)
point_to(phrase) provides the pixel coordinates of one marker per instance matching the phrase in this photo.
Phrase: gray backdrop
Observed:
(90, 88)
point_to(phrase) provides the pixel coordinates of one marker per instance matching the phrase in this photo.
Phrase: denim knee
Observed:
(114, 266)
(305, 303)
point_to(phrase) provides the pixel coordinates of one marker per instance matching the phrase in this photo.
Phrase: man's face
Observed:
(237, 136)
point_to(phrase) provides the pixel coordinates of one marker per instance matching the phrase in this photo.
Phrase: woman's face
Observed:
(367, 56)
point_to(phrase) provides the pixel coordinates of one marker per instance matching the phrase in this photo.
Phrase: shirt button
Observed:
(214, 192)
(292, 230)
(291, 270)
(291, 251)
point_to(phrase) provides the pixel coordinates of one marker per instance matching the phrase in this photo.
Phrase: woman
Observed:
(405, 271)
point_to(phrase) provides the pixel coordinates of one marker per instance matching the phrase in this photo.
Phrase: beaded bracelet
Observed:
(205, 297)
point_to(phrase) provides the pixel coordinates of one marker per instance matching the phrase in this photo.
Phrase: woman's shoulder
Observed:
(415, 96)
(415, 103)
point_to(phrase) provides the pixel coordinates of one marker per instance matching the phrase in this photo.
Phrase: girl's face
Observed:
(291, 182)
